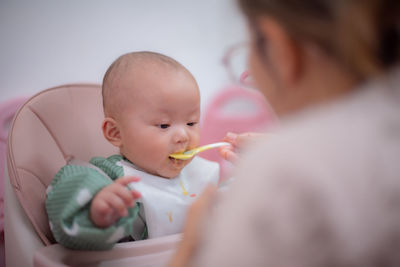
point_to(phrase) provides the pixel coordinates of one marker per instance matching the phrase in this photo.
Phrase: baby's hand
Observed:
(238, 141)
(112, 202)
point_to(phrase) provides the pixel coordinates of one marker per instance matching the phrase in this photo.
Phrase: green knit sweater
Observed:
(68, 203)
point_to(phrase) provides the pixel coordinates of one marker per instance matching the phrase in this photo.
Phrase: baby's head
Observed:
(152, 109)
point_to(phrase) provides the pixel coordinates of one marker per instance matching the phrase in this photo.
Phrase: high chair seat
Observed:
(50, 128)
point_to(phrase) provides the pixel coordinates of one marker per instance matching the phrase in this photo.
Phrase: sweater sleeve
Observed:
(68, 203)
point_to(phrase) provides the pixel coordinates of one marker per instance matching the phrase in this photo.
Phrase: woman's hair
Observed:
(362, 35)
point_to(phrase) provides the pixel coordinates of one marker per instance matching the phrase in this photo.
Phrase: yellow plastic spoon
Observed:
(190, 153)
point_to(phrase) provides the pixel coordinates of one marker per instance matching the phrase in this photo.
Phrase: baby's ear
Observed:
(111, 131)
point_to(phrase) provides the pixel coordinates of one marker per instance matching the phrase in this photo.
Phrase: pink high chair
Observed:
(237, 110)
(52, 126)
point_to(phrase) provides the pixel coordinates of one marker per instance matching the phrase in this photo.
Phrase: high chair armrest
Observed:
(151, 252)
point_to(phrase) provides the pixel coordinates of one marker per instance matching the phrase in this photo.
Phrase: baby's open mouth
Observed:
(174, 159)
(176, 162)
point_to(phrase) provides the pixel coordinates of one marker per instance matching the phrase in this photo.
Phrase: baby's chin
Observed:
(169, 174)
(168, 169)
(173, 168)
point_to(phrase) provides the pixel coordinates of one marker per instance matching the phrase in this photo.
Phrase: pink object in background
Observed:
(7, 111)
(237, 110)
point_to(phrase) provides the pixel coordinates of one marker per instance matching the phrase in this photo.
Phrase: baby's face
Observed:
(163, 118)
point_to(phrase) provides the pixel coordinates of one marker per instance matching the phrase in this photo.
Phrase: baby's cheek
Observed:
(195, 139)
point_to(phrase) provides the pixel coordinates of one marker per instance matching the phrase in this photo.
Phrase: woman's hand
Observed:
(192, 230)
(238, 142)
(112, 202)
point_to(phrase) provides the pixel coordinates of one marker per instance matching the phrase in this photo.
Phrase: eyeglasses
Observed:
(235, 61)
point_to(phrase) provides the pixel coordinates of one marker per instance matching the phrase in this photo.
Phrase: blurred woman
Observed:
(324, 190)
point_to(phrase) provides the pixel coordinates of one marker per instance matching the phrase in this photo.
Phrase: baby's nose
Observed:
(181, 136)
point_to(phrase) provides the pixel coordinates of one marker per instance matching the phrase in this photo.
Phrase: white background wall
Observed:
(45, 43)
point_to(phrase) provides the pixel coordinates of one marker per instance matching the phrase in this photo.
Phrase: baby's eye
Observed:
(163, 126)
(191, 123)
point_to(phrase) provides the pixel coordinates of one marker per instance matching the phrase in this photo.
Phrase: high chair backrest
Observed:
(50, 128)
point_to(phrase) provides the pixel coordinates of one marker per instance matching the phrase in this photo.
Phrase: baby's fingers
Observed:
(136, 194)
(127, 179)
(102, 214)
(118, 205)
(100, 207)
(127, 195)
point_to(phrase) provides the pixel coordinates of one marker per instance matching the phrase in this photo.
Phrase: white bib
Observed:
(165, 201)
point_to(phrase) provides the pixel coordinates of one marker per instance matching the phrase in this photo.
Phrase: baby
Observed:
(152, 109)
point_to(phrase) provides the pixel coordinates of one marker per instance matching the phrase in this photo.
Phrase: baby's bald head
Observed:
(131, 66)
